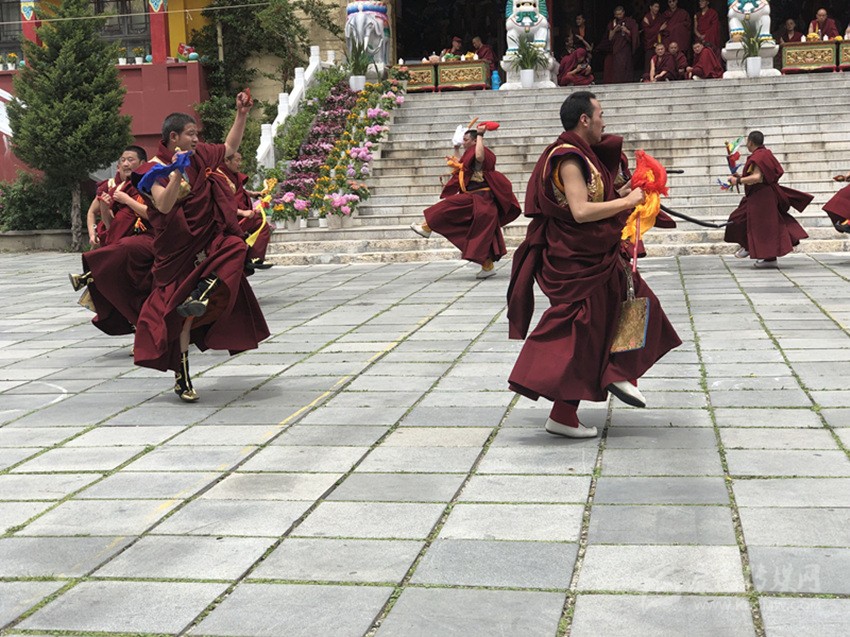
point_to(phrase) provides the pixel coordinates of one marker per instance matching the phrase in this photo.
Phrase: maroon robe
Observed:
(249, 225)
(664, 63)
(471, 214)
(569, 63)
(829, 28)
(197, 239)
(706, 65)
(838, 207)
(619, 64)
(681, 64)
(651, 31)
(708, 24)
(783, 36)
(678, 29)
(761, 222)
(579, 267)
(485, 52)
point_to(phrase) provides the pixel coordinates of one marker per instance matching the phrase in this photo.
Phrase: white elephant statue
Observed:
(528, 17)
(754, 11)
(367, 23)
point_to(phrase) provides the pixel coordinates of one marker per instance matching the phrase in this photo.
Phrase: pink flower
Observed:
(399, 100)
(346, 210)
(300, 205)
(288, 197)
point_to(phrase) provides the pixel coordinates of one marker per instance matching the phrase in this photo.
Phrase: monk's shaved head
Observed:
(756, 137)
(577, 104)
(175, 123)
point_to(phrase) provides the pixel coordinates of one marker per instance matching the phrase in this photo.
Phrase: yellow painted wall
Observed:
(182, 22)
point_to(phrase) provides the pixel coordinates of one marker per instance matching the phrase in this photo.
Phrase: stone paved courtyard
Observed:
(366, 471)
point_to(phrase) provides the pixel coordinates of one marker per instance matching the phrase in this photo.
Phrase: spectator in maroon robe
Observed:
(680, 62)
(789, 33)
(474, 205)
(707, 26)
(838, 207)
(572, 250)
(581, 34)
(706, 65)
(200, 293)
(651, 27)
(622, 33)
(823, 25)
(252, 222)
(575, 69)
(678, 26)
(761, 225)
(662, 68)
(485, 52)
(455, 49)
(118, 275)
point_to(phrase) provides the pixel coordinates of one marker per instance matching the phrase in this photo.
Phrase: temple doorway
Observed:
(424, 27)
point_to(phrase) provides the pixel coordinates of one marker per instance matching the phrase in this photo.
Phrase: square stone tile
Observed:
(10, 457)
(371, 520)
(420, 459)
(560, 459)
(80, 459)
(817, 571)
(273, 486)
(750, 438)
(438, 437)
(786, 526)
(35, 436)
(397, 487)
(329, 435)
(256, 518)
(330, 560)
(667, 569)
(55, 556)
(662, 616)
(198, 458)
(796, 418)
(784, 617)
(339, 459)
(100, 517)
(18, 597)
(704, 525)
(52, 486)
(145, 485)
(658, 438)
(345, 610)
(795, 397)
(661, 462)
(446, 416)
(439, 612)
(508, 564)
(660, 418)
(542, 522)
(508, 488)
(197, 558)
(787, 463)
(14, 513)
(124, 436)
(837, 417)
(792, 492)
(219, 435)
(360, 416)
(143, 607)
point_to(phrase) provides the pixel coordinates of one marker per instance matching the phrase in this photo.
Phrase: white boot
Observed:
(418, 229)
(628, 393)
(570, 432)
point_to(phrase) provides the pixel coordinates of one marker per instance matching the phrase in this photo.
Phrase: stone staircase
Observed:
(805, 119)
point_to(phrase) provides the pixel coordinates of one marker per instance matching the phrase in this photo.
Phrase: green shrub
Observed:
(217, 115)
(29, 204)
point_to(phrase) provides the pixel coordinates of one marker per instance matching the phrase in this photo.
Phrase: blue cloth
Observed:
(158, 172)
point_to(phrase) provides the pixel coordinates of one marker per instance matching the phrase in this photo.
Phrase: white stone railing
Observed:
(288, 104)
(5, 127)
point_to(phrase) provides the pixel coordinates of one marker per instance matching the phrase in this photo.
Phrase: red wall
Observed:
(153, 92)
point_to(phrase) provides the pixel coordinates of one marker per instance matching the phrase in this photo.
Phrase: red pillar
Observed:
(159, 30)
(30, 21)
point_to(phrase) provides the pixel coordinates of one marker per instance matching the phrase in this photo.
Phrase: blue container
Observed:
(495, 81)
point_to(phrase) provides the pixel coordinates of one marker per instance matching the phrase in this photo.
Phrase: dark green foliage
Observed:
(28, 204)
(217, 115)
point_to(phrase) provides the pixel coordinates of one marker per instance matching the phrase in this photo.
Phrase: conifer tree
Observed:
(65, 116)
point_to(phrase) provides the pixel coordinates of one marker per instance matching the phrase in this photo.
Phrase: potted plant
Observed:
(139, 54)
(528, 59)
(359, 60)
(122, 55)
(751, 44)
(12, 61)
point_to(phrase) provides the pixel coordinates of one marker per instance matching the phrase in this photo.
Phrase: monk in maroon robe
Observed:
(680, 62)
(789, 33)
(706, 65)
(118, 274)
(838, 207)
(581, 34)
(252, 222)
(707, 26)
(622, 33)
(761, 224)
(485, 52)
(474, 205)
(823, 25)
(200, 293)
(677, 26)
(572, 250)
(651, 26)
(662, 67)
(575, 69)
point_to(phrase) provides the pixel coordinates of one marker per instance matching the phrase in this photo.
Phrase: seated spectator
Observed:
(789, 33)
(823, 25)
(485, 52)
(706, 65)
(662, 68)
(456, 48)
(680, 61)
(575, 69)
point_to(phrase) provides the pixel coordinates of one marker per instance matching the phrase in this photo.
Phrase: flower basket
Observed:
(323, 222)
(334, 222)
(293, 224)
(347, 221)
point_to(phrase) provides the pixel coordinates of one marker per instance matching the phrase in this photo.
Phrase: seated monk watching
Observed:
(823, 25)
(484, 52)
(789, 33)
(575, 69)
(661, 66)
(680, 61)
(706, 65)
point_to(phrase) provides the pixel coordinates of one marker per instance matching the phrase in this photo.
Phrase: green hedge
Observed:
(29, 203)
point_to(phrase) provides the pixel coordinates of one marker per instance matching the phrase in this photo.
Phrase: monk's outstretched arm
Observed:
(234, 136)
(584, 211)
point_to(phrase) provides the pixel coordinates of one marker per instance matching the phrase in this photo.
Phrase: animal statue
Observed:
(528, 17)
(367, 24)
(754, 11)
